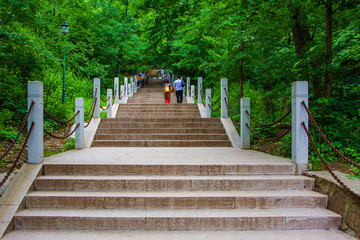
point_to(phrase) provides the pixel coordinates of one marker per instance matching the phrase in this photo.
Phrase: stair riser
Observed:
(171, 185)
(161, 120)
(161, 143)
(69, 169)
(175, 202)
(169, 223)
(158, 115)
(173, 125)
(161, 137)
(160, 131)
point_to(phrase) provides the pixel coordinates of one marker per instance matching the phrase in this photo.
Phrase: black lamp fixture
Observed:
(64, 28)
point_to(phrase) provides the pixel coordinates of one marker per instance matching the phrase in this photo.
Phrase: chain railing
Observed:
(232, 108)
(105, 99)
(230, 115)
(62, 137)
(92, 114)
(10, 171)
(268, 125)
(19, 132)
(346, 188)
(326, 139)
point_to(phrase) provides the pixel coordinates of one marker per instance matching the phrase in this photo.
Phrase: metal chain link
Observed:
(270, 124)
(92, 114)
(61, 121)
(214, 110)
(215, 101)
(18, 157)
(92, 104)
(105, 100)
(326, 139)
(268, 139)
(230, 103)
(327, 166)
(63, 136)
(19, 132)
(105, 108)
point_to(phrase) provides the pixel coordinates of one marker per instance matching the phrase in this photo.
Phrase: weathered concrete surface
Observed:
(177, 235)
(340, 201)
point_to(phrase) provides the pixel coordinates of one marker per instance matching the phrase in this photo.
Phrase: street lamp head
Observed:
(119, 59)
(64, 28)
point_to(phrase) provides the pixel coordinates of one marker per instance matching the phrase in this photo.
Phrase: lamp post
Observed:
(64, 30)
(118, 70)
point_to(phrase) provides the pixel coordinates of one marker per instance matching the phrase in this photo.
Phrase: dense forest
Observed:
(262, 47)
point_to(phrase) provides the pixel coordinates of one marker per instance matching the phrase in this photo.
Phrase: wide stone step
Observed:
(161, 143)
(177, 200)
(154, 110)
(170, 136)
(178, 235)
(177, 219)
(158, 115)
(160, 131)
(244, 168)
(172, 183)
(159, 119)
(173, 125)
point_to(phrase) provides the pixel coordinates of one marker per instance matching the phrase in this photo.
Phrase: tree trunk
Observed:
(328, 56)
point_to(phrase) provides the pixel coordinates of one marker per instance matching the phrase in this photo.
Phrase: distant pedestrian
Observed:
(167, 91)
(143, 75)
(179, 84)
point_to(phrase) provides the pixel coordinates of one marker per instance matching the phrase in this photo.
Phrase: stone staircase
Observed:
(203, 194)
(146, 121)
(158, 189)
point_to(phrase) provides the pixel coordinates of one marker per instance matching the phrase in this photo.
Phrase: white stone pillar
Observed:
(122, 94)
(188, 94)
(192, 94)
(116, 90)
(126, 90)
(135, 84)
(224, 90)
(245, 119)
(300, 148)
(200, 89)
(97, 96)
(36, 139)
(79, 119)
(131, 88)
(184, 90)
(109, 103)
(208, 103)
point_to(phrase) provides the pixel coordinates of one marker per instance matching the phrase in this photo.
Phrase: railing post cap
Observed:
(35, 88)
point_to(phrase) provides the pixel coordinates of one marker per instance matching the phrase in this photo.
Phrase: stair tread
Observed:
(178, 194)
(180, 213)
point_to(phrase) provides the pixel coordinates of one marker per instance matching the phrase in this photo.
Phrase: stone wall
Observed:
(340, 201)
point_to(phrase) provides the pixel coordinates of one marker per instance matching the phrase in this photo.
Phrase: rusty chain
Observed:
(63, 136)
(215, 101)
(103, 99)
(105, 108)
(92, 114)
(230, 115)
(202, 97)
(270, 124)
(19, 132)
(268, 139)
(327, 166)
(326, 139)
(18, 157)
(92, 104)
(214, 110)
(230, 103)
(61, 121)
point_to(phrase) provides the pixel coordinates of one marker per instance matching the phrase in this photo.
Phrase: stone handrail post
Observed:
(188, 94)
(79, 119)
(192, 100)
(109, 103)
(135, 85)
(200, 89)
(300, 150)
(36, 139)
(224, 97)
(116, 90)
(208, 103)
(131, 89)
(97, 96)
(245, 119)
(126, 86)
(122, 93)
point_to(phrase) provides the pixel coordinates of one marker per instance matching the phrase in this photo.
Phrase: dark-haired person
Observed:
(178, 85)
